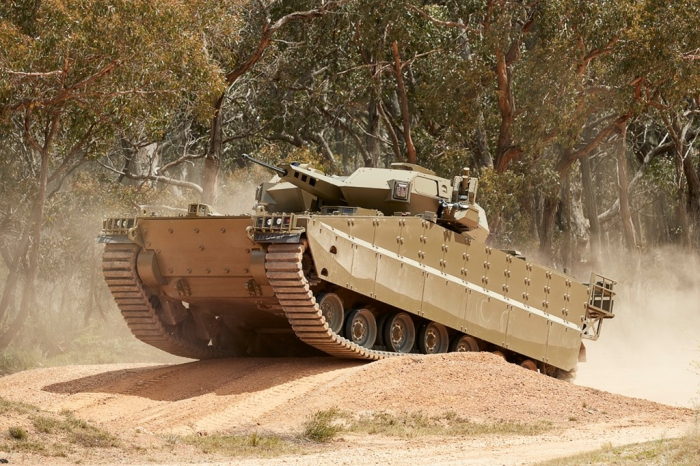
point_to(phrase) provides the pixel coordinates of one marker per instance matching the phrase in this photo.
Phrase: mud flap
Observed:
(582, 353)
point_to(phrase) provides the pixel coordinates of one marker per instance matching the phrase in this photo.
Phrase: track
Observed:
(137, 306)
(283, 264)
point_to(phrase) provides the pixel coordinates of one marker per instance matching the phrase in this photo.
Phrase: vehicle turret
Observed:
(404, 189)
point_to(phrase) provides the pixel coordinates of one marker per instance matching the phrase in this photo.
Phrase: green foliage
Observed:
(502, 198)
(96, 60)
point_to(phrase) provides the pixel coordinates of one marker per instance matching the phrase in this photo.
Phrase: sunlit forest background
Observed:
(579, 117)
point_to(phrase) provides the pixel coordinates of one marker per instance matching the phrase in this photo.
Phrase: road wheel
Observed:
(433, 339)
(463, 343)
(399, 333)
(361, 328)
(332, 310)
(529, 364)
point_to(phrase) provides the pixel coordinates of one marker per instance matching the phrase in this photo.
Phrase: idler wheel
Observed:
(529, 364)
(464, 343)
(361, 328)
(332, 310)
(433, 339)
(399, 333)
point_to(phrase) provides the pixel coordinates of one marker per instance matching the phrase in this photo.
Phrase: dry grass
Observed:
(7, 406)
(49, 434)
(683, 451)
(322, 426)
(447, 424)
(17, 433)
(252, 445)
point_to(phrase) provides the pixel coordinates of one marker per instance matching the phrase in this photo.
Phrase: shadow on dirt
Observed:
(221, 377)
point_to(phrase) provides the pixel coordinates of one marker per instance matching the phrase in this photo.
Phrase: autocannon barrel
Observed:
(281, 171)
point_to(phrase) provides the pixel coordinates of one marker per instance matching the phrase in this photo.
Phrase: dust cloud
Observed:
(237, 196)
(651, 349)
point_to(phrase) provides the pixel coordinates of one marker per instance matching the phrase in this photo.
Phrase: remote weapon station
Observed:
(381, 263)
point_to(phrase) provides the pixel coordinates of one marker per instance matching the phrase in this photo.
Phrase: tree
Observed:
(237, 57)
(72, 76)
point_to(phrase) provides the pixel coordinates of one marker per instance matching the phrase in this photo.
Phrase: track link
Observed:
(284, 268)
(137, 305)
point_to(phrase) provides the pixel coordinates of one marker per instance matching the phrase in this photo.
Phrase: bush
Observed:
(320, 427)
(18, 433)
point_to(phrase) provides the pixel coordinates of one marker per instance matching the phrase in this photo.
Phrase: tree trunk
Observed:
(372, 136)
(28, 292)
(623, 188)
(506, 104)
(693, 199)
(591, 209)
(405, 114)
(565, 221)
(483, 158)
(549, 215)
(529, 206)
(212, 162)
(13, 271)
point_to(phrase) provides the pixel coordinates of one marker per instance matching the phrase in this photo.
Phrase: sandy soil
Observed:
(145, 403)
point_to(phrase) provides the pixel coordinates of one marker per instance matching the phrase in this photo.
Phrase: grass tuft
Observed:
(82, 433)
(684, 451)
(322, 426)
(18, 433)
(447, 424)
(254, 444)
(45, 425)
(14, 407)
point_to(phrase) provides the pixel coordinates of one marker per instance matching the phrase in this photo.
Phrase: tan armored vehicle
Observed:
(381, 263)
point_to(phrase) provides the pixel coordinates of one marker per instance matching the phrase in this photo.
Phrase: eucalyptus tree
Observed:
(236, 50)
(369, 80)
(73, 74)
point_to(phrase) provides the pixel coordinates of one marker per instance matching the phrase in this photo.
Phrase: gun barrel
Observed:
(281, 171)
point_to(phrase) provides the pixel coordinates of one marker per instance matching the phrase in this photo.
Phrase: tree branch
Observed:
(269, 30)
(157, 178)
(405, 114)
(36, 74)
(390, 130)
(358, 142)
(663, 147)
(565, 162)
(450, 24)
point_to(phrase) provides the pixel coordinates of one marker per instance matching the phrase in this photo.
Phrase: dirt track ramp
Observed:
(237, 395)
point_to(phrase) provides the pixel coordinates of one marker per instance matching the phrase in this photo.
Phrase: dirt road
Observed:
(278, 395)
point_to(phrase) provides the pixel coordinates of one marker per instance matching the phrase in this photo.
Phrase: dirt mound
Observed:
(279, 394)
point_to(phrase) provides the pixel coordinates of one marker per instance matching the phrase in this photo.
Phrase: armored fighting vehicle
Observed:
(380, 263)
